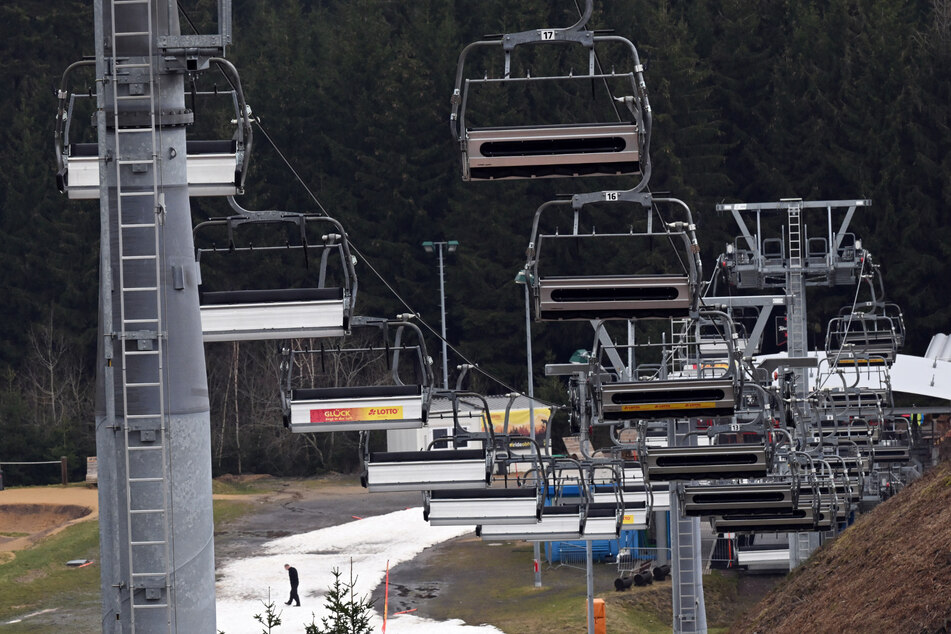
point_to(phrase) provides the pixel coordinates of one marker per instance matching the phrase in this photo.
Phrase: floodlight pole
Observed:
(522, 278)
(429, 247)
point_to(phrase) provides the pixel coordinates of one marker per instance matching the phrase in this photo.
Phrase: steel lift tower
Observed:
(152, 408)
(794, 261)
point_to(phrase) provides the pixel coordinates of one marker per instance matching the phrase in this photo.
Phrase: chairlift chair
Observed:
(704, 500)
(557, 523)
(213, 167)
(519, 503)
(432, 470)
(588, 295)
(318, 310)
(396, 405)
(801, 519)
(704, 463)
(564, 149)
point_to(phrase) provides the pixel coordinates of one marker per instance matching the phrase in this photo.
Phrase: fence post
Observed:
(62, 469)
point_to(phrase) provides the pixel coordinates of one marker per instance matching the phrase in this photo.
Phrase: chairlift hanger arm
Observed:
(244, 135)
(64, 97)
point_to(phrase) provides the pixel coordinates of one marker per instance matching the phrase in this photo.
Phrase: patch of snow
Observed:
(242, 585)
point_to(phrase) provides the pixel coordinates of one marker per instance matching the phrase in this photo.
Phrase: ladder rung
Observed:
(147, 384)
(136, 65)
(149, 543)
(147, 193)
(149, 574)
(150, 161)
(140, 353)
(150, 448)
(130, 33)
(139, 606)
(144, 511)
(138, 225)
(139, 257)
(139, 289)
(134, 130)
(132, 97)
(130, 2)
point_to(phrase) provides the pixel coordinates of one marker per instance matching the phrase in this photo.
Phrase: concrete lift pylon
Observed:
(152, 408)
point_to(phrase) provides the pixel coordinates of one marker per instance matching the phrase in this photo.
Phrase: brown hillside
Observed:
(889, 572)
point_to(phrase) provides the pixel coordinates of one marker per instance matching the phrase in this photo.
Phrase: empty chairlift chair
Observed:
(563, 517)
(692, 387)
(403, 403)
(704, 463)
(706, 500)
(432, 470)
(565, 149)
(894, 444)
(437, 468)
(585, 273)
(862, 339)
(322, 307)
(517, 501)
(213, 167)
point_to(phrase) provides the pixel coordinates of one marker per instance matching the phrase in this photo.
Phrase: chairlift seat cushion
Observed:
(714, 500)
(666, 399)
(546, 151)
(704, 463)
(211, 169)
(483, 506)
(612, 296)
(250, 315)
(433, 470)
(265, 296)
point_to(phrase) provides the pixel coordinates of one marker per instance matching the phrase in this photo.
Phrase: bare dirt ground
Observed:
(28, 515)
(464, 578)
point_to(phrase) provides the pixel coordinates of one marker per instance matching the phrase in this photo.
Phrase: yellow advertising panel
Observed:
(344, 414)
(519, 421)
(647, 407)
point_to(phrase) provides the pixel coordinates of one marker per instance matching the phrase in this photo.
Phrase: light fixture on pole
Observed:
(522, 278)
(437, 247)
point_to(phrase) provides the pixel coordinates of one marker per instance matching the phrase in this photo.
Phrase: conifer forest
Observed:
(752, 101)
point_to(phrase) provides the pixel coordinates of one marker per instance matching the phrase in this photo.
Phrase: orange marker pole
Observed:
(386, 595)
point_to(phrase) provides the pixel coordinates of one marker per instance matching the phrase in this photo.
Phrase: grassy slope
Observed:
(890, 572)
(38, 579)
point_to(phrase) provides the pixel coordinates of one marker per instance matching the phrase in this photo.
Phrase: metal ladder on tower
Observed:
(140, 215)
(686, 573)
(796, 334)
(683, 556)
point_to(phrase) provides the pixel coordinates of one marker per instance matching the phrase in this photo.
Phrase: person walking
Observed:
(292, 574)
